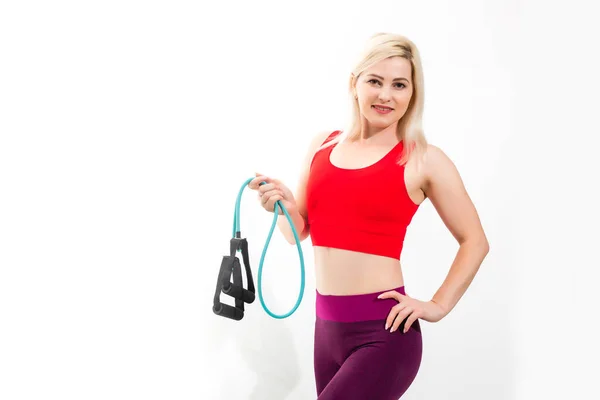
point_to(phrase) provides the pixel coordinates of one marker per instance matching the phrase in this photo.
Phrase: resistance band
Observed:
(230, 267)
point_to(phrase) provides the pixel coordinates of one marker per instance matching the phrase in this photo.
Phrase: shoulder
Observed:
(427, 159)
(317, 141)
(438, 167)
(321, 137)
(434, 156)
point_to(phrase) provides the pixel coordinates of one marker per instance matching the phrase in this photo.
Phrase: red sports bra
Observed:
(365, 210)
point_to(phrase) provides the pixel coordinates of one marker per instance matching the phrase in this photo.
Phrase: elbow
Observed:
(301, 236)
(485, 244)
(484, 247)
(480, 244)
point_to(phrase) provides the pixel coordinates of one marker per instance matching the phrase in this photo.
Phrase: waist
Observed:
(343, 272)
(354, 308)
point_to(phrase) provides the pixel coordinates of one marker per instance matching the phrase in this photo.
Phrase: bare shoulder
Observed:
(318, 140)
(438, 167)
(313, 145)
(436, 157)
(446, 191)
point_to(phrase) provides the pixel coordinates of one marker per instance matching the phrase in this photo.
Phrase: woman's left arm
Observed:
(446, 191)
(444, 187)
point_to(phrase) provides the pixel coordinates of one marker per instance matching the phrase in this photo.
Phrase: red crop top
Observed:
(365, 210)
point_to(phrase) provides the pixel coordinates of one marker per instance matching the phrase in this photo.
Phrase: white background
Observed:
(127, 129)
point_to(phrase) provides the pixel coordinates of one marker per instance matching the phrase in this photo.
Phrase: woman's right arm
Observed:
(299, 213)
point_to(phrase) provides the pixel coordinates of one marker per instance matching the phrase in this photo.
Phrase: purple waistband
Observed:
(354, 308)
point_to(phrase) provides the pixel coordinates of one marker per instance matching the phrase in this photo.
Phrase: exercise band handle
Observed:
(238, 292)
(228, 311)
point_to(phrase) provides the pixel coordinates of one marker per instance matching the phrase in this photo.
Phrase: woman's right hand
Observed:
(274, 190)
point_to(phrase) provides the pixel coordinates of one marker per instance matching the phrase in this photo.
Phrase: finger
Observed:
(400, 320)
(276, 192)
(393, 313)
(392, 294)
(255, 183)
(267, 196)
(264, 199)
(273, 191)
(409, 321)
(259, 175)
(272, 200)
(266, 187)
(400, 317)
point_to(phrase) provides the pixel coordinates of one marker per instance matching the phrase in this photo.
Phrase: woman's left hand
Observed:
(411, 308)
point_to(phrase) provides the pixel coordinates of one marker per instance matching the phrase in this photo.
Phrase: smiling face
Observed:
(384, 91)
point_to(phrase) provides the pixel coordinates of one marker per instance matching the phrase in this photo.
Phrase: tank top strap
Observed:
(394, 155)
(331, 136)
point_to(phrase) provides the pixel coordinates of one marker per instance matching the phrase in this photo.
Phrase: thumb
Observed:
(265, 179)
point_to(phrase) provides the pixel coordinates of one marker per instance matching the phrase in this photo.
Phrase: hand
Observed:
(271, 192)
(411, 308)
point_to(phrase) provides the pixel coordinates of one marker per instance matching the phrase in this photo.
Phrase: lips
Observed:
(382, 109)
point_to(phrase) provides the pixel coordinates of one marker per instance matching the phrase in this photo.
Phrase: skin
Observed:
(342, 272)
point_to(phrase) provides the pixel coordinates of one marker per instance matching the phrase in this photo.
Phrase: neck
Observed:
(378, 136)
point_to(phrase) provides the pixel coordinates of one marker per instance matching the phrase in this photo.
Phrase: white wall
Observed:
(127, 129)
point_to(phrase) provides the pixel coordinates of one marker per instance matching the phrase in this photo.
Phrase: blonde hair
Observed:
(410, 127)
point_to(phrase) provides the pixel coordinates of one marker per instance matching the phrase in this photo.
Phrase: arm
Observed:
(299, 213)
(446, 191)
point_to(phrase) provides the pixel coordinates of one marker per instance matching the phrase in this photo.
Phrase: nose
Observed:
(384, 95)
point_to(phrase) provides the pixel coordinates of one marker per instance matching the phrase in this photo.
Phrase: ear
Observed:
(352, 85)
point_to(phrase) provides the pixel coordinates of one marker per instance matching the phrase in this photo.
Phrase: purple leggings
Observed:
(355, 357)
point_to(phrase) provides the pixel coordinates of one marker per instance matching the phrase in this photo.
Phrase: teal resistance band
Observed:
(230, 267)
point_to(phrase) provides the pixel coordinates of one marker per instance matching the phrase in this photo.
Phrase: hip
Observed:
(349, 322)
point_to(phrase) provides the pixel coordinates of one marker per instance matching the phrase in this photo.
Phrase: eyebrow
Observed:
(395, 79)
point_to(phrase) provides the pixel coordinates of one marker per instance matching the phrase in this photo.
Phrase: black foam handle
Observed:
(228, 311)
(238, 292)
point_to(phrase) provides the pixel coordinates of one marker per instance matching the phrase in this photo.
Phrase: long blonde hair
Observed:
(410, 127)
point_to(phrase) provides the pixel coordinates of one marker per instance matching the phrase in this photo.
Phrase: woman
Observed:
(357, 194)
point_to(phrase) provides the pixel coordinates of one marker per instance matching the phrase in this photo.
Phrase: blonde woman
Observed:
(357, 195)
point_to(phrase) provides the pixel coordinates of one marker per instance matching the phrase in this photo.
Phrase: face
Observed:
(384, 91)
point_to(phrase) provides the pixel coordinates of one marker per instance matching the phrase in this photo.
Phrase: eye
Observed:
(374, 81)
(401, 84)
